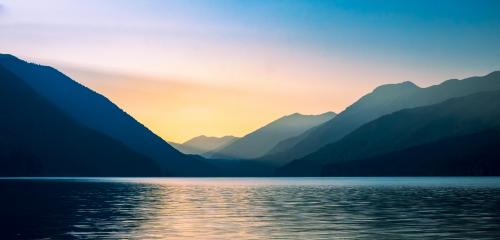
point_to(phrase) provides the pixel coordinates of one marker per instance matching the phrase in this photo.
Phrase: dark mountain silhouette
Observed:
(39, 139)
(202, 144)
(383, 100)
(97, 112)
(262, 140)
(406, 128)
(476, 154)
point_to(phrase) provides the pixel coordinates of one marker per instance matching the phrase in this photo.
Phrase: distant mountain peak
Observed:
(300, 115)
(260, 141)
(403, 86)
(329, 113)
(384, 94)
(494, 73)
(205, 137)
(203, 144)
(295, 115)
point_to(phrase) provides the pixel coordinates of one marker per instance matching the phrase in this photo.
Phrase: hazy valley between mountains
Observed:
(53, 126)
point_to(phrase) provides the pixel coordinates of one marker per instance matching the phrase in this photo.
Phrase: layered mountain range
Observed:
(53, 126)
(262, 140)
(408, 128)
(203, 145)
(383, 100)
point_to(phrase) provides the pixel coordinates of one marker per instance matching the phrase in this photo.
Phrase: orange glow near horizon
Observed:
(187, 68)
(178, 111)
(218, 103)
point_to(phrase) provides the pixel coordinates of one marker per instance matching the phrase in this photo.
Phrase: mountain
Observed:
(39, 139)
(202, 144)
(406, 128)
(98, 113)
(259, 142)
(383, 100)
(476, 154)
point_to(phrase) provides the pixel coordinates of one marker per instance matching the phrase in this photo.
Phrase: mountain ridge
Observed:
(202, 144)
(99, 113)
(406, 128)
(39, 139)
(258, 142)
(378, 103)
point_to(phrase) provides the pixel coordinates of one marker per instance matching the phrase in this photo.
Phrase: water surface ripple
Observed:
(250, 208)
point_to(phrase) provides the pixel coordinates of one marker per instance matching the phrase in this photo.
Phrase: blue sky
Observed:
(228, 67)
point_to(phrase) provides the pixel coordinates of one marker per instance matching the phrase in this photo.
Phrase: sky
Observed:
(227, 67)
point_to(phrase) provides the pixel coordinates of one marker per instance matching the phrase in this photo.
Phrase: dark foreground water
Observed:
(250, 208)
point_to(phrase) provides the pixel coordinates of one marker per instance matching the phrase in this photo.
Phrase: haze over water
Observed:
(250, 208)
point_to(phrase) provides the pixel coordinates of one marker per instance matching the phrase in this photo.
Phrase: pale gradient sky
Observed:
(186, 68)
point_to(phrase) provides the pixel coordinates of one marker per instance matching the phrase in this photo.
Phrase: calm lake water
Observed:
(250, 208)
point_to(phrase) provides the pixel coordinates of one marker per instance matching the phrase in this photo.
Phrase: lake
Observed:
(250, 208)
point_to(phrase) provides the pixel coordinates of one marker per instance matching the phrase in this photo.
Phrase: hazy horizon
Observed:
(189, 68)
